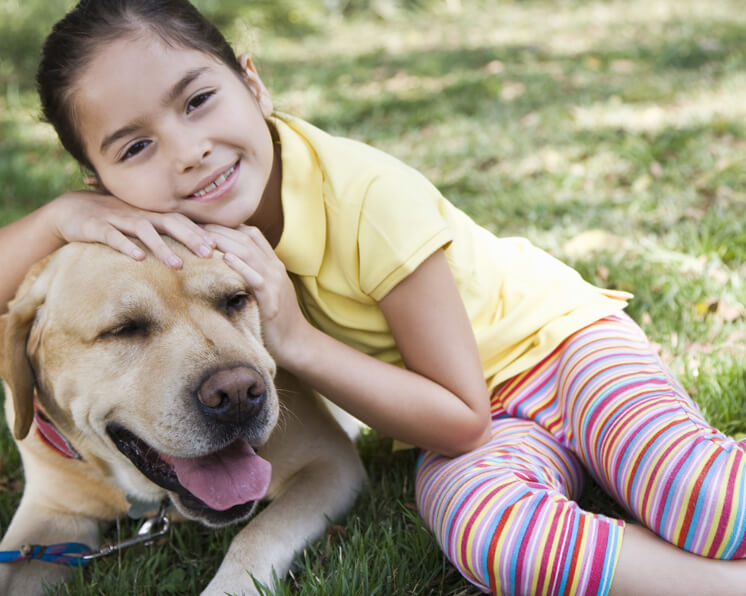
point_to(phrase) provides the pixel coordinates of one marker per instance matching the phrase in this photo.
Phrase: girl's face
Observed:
(173, 129)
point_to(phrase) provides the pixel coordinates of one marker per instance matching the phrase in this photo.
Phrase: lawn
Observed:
(613, 134)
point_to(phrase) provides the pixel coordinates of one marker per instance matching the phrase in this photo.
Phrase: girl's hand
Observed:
(87, 216)
(250, 254)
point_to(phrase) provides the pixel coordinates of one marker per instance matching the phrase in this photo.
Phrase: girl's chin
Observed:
(231, 210)
(229, 218)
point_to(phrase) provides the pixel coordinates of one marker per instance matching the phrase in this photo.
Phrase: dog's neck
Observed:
(51, 436)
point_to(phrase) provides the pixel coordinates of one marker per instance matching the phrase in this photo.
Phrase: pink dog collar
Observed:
(51, 436)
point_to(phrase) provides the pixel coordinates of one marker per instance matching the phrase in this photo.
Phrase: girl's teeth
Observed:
(217, 182)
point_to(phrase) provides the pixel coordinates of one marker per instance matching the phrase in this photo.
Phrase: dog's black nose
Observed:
(233, 395)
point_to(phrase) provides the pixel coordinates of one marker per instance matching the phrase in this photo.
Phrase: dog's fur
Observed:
(102, 342)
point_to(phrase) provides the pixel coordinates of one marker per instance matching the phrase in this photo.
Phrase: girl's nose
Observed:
(191, 153)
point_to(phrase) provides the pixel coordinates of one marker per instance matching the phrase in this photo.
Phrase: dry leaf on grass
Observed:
(725, 310)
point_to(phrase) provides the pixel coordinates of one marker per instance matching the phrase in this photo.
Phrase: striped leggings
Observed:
(504, 514)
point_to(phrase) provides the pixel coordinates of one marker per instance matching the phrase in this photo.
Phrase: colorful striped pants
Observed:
(504, 514)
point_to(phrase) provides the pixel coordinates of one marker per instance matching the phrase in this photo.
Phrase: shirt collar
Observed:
(302, 243)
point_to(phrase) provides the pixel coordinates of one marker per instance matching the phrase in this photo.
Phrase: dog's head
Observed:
(157, 377)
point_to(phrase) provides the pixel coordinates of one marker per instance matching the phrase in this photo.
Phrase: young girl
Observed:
(510, 371)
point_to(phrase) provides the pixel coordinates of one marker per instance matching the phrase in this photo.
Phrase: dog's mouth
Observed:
(220, 481)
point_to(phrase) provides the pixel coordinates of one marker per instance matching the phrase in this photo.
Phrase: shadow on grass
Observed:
(25, 25)
(548, 79)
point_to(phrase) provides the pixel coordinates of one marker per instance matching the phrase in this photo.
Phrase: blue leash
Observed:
(75, 554)
(71, 554)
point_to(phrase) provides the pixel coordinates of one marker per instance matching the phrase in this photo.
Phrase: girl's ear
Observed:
(251, 76)
(92, 181)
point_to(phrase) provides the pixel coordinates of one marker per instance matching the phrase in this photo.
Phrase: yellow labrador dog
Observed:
(155, 384)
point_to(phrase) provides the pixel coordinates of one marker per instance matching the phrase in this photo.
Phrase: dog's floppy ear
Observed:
(14, 362)
(3, 324)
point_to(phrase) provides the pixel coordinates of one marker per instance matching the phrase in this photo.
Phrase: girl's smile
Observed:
(217, 186)
(173, 129)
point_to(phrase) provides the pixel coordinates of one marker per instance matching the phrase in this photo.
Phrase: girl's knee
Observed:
(700, 505)
(510, 534)
(520, 453)
(500, 511)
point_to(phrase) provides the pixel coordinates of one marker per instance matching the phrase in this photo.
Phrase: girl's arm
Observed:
(86, 216)
(22, 243)
(439, 402)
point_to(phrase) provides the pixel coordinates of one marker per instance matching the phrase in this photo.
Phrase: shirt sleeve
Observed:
(401, 224)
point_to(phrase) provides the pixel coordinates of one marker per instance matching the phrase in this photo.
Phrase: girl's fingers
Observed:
(180, 228)
(118, 241)
(237, 247)
(252, 277)
(258, 238)
(107, 219)
(150, 237)
(191, 235)
(244, 246)
(242, 234)
(218, 233)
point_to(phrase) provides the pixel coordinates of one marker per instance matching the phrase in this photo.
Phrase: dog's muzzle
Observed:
(220, 486)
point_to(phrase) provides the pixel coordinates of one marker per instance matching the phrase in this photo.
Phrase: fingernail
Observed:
(205, 250)
(174, 261)
(230, 257)
(137, 253)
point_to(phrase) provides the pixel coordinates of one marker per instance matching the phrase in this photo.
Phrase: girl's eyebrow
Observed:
(182, 84)
(169, 97)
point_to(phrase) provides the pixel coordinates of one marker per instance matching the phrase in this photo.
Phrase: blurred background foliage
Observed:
(23, 24)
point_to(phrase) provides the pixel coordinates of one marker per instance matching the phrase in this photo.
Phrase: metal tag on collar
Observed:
(139, 508)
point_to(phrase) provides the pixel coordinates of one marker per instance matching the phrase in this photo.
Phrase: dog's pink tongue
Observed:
(230, 477)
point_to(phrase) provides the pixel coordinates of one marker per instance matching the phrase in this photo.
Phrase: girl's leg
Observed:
(633, 426)
(503, 515)
(649, 565)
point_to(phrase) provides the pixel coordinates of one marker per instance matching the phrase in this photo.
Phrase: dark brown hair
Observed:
(76, 37)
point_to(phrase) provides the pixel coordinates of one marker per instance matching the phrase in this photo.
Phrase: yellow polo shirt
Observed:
(358, 221)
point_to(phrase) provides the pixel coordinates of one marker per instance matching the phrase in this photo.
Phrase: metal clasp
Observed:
(150, 529)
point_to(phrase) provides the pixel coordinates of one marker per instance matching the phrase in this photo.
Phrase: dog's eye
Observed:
(128, 329)
(236, 302)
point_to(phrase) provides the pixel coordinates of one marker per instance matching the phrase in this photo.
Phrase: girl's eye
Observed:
(134, 149)
(198, 100)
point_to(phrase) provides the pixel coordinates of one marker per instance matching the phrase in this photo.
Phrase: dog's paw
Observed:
(240, 585)
(209, 591)
(29, 579)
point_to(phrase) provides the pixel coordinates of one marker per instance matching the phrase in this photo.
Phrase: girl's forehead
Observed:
(142, 54)
(129, 78)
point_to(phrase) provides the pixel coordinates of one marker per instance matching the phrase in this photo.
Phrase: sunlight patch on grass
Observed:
(694, 106)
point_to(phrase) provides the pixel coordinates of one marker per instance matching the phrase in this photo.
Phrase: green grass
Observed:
(611, 133)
